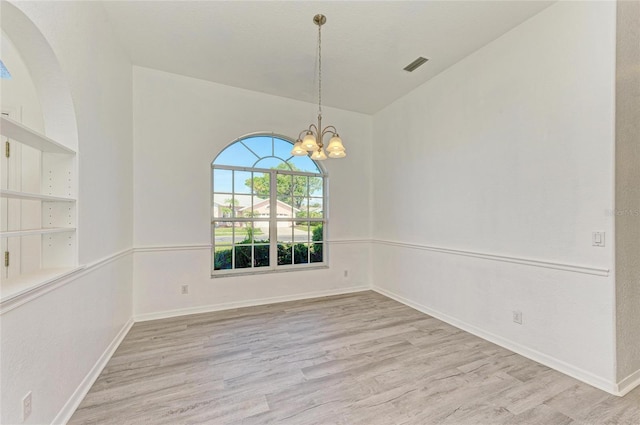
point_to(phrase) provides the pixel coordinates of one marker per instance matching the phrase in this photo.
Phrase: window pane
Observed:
(261, 256)
(260, 145)
(317, 232)
(243, 256)
(242, 182)
(316, 252)
(303, 163)
(301, 253)
(260, 232)
(285, 254)
(270, 162)
(285, 231)
(222, 180)
(316, 206)
(315, 186)
(301, 232)
(301, 207)
(282, 148)
(222, 233)
(261, 187)
(284, 190)
(223, 205)
(236, 154)
(222, 258)
(242, 233)
(242, 206)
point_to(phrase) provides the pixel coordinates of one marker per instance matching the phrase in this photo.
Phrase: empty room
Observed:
(320, 212)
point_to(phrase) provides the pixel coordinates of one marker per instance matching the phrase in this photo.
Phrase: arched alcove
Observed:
(52, 86)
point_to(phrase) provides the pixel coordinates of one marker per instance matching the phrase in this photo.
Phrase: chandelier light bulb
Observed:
(337, 154)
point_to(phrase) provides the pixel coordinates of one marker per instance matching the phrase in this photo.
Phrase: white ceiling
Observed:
(270, 46)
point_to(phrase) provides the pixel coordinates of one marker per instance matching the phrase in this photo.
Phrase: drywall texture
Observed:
(509, 153)
(180, 125)
(51, 343)
(627, 211)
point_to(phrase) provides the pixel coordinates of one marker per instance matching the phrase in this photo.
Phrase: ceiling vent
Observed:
(415, 64)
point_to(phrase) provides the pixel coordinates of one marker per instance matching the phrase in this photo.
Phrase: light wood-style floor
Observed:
(352, 359)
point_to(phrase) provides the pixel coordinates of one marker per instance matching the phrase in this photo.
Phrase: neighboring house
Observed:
(222, 207)
(262, 207)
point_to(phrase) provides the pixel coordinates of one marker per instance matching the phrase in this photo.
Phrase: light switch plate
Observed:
(597, 239)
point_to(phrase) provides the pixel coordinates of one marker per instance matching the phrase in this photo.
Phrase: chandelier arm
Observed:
(329, 129)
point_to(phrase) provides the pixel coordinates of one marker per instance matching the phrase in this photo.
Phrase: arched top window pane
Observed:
(266, 152)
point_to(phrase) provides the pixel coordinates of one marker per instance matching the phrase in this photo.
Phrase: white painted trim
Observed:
(47, 286)
(247, 303)
(194, 247)
(552, 362)
(597, 271)
(629, 383)
(81, 391)
(197, 247)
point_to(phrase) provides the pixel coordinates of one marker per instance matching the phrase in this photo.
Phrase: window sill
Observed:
(241, 272)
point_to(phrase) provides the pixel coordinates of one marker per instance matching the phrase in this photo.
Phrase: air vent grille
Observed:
(415, 64)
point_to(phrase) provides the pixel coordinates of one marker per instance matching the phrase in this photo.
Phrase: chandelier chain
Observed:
(320, 69)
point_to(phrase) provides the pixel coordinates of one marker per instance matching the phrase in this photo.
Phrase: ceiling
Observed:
(271, 46)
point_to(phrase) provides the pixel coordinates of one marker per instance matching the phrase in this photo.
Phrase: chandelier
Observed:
(313, 139)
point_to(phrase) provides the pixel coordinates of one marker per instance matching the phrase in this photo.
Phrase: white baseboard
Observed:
(629, 383)
(537, 356)
(247, 303)
(78, 395)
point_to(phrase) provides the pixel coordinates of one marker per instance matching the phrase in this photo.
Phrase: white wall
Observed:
(493, 176)
(180, 125)
(51, 342)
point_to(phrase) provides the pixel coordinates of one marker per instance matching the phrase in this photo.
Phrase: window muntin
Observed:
(267, 208)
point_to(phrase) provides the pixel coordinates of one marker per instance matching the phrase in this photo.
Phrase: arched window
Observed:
(268, 207)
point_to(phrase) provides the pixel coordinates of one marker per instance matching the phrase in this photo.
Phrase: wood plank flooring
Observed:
(352, 359)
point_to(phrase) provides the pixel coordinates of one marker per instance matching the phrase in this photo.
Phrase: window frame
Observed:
(273, 219)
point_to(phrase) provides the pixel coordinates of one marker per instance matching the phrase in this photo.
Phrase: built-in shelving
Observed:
(33, 196)
(16, 131)
(38, 195)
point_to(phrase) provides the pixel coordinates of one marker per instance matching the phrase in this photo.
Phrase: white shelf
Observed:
(33, 196)
(45, 231)
(28, 282)
(18, 132)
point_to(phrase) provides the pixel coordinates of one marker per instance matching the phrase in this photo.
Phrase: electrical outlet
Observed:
(184, 289)
(517, 317)
(345, 275)
(26, 406)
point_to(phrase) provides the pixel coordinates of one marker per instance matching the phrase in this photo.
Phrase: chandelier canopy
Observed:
(311, 140)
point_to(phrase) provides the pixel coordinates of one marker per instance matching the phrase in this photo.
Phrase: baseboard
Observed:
(247, 303)
(78, 395)
(559, 365)
(629, 383)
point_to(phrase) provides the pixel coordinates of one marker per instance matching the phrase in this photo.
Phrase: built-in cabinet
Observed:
(38, 209)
